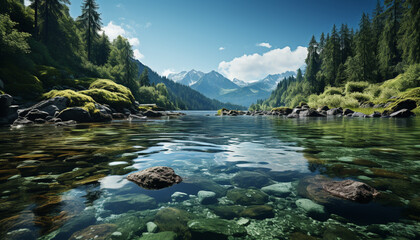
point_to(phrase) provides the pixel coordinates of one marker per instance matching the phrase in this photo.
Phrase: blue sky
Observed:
(223, 35)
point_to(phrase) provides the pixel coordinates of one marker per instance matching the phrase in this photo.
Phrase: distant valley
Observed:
(215, 85)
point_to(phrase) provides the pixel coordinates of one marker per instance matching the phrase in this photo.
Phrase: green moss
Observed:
(416, 111)
(90, 107)
(112, 87)
(1, 92)
(360, 97)
(280, 109)
(113, 99)
(76, 99)
(368, 111)
(301, 104)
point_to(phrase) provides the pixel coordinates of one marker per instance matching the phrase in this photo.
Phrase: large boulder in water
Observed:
(351, 190)
(403, 113)
(75, 113)
(50, 106)
(155, 177)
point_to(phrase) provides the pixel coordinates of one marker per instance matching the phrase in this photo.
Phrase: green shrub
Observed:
(360, 97)
(386, 93)
(112, 87)
(20, 82)
(374, 91)
(409, 79)
(356, 86)
(333, 91)
(49, 76)
(114, 99)
(280, 109)
(333, 101)
(76, 99)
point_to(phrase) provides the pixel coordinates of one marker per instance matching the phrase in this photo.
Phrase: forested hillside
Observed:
(43, 48)
(348, 67)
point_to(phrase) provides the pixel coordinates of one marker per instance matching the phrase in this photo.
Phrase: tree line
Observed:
(384, 45)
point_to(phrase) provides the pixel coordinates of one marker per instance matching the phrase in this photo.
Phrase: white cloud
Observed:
(137, 54)
(134, 41)
(264, 44)
(113, 31)
(166, 72)
(256, 66)
(221, 48)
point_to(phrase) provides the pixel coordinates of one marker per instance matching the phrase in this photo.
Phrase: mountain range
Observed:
(184, 96)
(215, 85)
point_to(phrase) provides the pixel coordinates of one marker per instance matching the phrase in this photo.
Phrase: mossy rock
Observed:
(173, 219)
(76, 99)
(112, 87)
(220, 111)
(258, 212)
(167, 235)
(247, 179)
(114, 99)
(215, 229)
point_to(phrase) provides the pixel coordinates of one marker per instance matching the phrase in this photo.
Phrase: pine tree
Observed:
(91, 21)
(299, 76)
(101, 50)
(35, 6)
(50, 12)
(144, 78)
(410, 32)
(378, 21)
(332, 57)
(365, 51)
(345, 43)
(312, 64)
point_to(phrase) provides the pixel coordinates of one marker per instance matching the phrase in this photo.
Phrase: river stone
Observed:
(215, 229)
(403, 113)
(124, 203)
(258, 212)
(309, 206)
(279, 189)
(75, 113)
(155, 178)
(206, 197)
(351, 190)
(227, 211)
(173, 219)
(243, 221)
(247, 179)
(151, 227)
(35, 113)
(167, 235)
(50, 106)
(179, 196)
(247, 196)
(207, 184)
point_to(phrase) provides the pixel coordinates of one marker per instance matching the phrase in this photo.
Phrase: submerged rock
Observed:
(258, 212)
(151, 227)
(247, 179)
(227, 211)
(179, 196)
(215, 229)
(311, 208)
(351, 190)
(247, 196)
(173, 219)
(124, 203)
(207, 197)
(155, 178)
(278, 189)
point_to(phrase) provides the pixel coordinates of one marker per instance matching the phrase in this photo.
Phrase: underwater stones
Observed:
(151, 227)
(258, 212)
(339, 232)
(167, 235)
(247, 179)
(28, 167)
(215, 229)
(311, 208)
(301, 236)
(365, 163)
(80, 221)
(155, 177)
(207, 197)
(351, 190)
(75, 113)
(227, 211)
(243, 221)
(414, 209)
(278, 189)
(205, 184)
(173, 219)
(97, 232)
(247, 196)
(89, 180)
(124, 203)
(75, 173)
(179, 196)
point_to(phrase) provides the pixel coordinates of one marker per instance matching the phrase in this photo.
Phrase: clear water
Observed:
(59, 182)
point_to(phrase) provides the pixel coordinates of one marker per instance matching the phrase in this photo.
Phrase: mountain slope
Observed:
(270, 82)
(185, 97)
(177, 77)
(214, 84)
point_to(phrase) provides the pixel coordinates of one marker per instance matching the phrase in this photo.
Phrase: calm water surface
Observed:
(69, 182)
